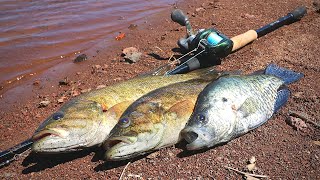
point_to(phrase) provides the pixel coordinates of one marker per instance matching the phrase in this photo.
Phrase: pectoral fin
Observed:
(248, 107)
(116, 111)
(182, 109)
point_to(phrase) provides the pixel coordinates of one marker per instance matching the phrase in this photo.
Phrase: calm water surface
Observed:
(35, 34)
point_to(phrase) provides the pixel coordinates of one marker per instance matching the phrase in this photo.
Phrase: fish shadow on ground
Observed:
(187, 153)
(38, 162)
(115, 164)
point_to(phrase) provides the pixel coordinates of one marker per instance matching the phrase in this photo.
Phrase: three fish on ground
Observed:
(208, 107)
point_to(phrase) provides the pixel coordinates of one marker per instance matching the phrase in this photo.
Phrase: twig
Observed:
(124, 169)
(303, 117)
(246, 174)
(159, 49)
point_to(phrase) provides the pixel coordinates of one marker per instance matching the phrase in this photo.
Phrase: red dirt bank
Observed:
(281, 151)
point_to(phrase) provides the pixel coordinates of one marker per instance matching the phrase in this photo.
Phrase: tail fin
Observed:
(287, 75)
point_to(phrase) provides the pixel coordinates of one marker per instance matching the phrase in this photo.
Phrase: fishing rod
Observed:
(208, 46)
(9, 155)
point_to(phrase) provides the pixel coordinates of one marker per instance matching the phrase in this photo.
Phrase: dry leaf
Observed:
(316, 143)
(251, 167)
(252, 160)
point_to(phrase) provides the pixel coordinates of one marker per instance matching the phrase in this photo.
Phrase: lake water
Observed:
(36, 35)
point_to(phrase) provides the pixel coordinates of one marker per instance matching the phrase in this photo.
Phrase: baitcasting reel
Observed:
(208, 46)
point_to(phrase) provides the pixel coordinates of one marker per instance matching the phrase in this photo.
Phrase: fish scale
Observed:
(263, 89)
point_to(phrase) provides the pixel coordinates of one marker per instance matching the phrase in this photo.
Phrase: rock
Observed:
(132, 26)
(80, 58)
(43, 104)
(248, 16)
(64, 82)
(96, 68)
(85, 90)
(75, 93)
(101, 86)
(121, 18)
(131, 54)
(36, 83)
(298, 94)
(170, 154)
(62, 99)
(297, 123)
(316, 5)
(200, 9)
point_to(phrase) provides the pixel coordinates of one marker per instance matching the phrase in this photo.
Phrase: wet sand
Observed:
(280, 150)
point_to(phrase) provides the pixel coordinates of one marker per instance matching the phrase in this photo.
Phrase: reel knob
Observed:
(179, 17)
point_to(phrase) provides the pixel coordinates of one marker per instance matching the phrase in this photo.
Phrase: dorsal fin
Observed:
(287, 75)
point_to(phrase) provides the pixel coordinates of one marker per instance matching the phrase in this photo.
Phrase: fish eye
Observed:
(57, 115)
(201, 118)
(124, 122)
(224, 99)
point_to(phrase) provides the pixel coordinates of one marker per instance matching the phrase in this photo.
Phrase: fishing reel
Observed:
(203, 49)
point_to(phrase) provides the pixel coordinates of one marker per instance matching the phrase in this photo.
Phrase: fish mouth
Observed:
(49, 133)
(115, 146)
(194, 139)
(190, 136)
(118, 141)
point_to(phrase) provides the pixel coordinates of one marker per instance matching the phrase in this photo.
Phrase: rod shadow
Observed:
(158, 57)
(38, 162)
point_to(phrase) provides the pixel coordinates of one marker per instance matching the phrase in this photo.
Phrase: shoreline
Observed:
(62, 40)
(280, 150)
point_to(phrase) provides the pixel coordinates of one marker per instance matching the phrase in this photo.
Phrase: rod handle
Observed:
(243, 39)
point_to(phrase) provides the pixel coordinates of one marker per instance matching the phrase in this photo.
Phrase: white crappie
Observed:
(236, 104)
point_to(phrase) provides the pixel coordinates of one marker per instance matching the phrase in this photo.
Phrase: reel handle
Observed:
(178, 16)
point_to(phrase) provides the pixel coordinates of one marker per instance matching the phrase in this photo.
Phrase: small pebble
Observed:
(80, 58)
(43, 104)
